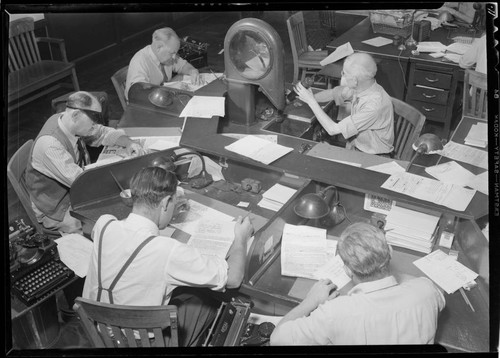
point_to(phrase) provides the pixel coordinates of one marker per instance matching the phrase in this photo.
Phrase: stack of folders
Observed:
(411, 229)
(478, 135)
(274, 198)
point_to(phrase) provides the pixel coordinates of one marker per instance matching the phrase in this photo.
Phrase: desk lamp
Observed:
(316, 206)
(427, 143)
(199, 181)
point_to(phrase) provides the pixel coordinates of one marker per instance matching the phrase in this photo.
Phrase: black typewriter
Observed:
(35, 268)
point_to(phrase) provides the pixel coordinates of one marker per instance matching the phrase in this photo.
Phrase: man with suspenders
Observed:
(132, 264)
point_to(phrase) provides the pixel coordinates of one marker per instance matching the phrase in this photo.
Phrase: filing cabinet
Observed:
(431, 90)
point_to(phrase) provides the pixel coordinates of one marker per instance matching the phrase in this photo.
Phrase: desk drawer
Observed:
(432, 79)
(435, 112)
(429, 95)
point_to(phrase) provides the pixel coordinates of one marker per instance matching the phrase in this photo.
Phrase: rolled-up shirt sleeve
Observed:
(188, 267)
(103, 135)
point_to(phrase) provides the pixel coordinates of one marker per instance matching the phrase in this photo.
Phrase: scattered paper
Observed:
(243, 204)
(276, 196)
(437, 54)
(453, 57)
(186, 84)
(448, 273)
(446, 194)
(100, 163)
(75, 251)
(378, 41)
(465, 154)
(204, 107)
(213, 237)
(431, 46)
(480, 183)
(258, 149)
(451, 172)
(341, 52)
(334, 270)
(273, 138)
(458, 48)
(387, 168)
(340, 161)
(255, 318)
(303, 250)
(478, 135)
(212, 168)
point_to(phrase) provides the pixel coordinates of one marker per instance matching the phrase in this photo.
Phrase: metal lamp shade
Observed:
(311, 206)
(427, 143)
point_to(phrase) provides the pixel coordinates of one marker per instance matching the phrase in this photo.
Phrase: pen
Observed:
(466, 299)
(116, 180)
(213, 73)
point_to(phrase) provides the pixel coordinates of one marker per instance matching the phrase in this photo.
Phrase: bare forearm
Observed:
(302, 310)
(324, 119)
(236, 263)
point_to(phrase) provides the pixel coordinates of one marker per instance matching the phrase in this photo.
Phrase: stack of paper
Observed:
(466, 154)
(258, 149)
(411, 229)
(478, 135)
(451, 172)
(445, 271)
(213, 237)
(276, 197)
(458, 47)
(430, 46)
(303, 250)
(204, 107)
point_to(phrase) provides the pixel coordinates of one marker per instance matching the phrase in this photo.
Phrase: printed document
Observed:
(451, 172)
(378, 41)
(450, 195)
(213, 237)
(258, 149)
(480, 183)
(466, 154)
(204, 107)
(445, 271)
(276, 196)
(333, 269)
(387, 168)
(478, 135)
(273, 138)
(341, 52)
(186, 85)
(303, 250)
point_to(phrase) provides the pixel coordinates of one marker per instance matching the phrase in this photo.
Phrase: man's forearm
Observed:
(302, 310)
(324, 119)
(236, 262)
(187, 68)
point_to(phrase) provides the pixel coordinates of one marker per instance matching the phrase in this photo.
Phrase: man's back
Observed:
(377, 312)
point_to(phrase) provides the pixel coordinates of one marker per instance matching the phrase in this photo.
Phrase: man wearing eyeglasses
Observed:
(369, 127)
(59, 155)
(155, 64)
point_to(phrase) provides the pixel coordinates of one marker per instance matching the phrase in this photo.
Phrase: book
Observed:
(301, 113)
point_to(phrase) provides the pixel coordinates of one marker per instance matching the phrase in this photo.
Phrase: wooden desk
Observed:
(400, 72)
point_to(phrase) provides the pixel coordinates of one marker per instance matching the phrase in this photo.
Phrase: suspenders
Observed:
(122, 270)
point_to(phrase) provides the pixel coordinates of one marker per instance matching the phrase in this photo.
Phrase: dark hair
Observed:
(364, 249)
(150, 185)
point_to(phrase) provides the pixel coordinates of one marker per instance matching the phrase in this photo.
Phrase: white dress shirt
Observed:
(376, 312)
(163, 264)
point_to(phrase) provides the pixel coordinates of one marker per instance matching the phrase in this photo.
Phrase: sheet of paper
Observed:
(273, 138)
(75, 251)
(212, 168)
(280, 193)
(258, 149)
(188, 221)
(213, 237)
(430, 46)
(480, 183)
(186, 84)
(459, 48)
(256, 318)
(466, 154)
(388, 168)
(437, 54)
(303, 250)
(451, 172)
(204, 107)
(378, 41)
(478, 135)
(448, 273)
(100, 163)
(450, 195)
(341, 52)
(334, 270)
(340, 161)
(453, 57)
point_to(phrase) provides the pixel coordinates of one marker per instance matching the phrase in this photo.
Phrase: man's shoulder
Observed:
(141, 54)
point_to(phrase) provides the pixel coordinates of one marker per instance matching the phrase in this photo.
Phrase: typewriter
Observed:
(231, 327)
(35, 268)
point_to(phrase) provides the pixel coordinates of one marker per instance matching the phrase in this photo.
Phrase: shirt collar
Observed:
(372, 286)
(153, 56)
(367, 91)
(139, 221)
(72, 138)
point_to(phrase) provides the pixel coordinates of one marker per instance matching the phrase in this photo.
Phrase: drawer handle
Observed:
(431, 80)
(428, 109)
(428, 95)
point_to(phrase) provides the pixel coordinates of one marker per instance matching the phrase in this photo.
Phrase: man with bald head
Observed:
(59, 155)
(369, 127)
(155, 64)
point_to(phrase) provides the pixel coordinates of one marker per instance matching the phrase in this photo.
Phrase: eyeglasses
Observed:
(95, 116)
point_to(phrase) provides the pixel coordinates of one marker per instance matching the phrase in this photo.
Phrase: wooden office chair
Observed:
(15, 172)
(408, 123)
(305, 62)
(29, 74)
(119, 79)
(475, 96)
(118, 326)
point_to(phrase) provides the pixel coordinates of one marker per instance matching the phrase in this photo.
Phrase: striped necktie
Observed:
(165, 77)
(83, 154)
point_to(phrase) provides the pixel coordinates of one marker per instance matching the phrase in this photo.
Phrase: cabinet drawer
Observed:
(432, 79)
(432, 111)
(429, 95)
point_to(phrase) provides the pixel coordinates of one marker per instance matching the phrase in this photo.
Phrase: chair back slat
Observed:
(159, 341)
(22, 43)
(119, 80)
(16, 55)
(408, 123)
(104, 335)
(33, 46)
(475, 101)
(129, 334)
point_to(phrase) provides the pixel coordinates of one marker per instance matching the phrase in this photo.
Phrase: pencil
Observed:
(466, 299)
(213, 73)
(116, 181)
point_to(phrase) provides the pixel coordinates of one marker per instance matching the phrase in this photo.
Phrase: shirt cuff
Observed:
(347, 127)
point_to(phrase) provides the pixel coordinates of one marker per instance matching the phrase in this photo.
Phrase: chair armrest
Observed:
(60, 42)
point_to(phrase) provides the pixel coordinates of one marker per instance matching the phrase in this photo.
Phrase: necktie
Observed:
(83, 154)
(162, 69)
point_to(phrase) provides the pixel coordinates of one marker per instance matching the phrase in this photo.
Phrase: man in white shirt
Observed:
(370, 126)
(377, 310)
(163, 264)
(59, 155)
(154, 64)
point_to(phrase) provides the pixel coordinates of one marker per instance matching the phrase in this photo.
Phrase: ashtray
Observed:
(161, 97)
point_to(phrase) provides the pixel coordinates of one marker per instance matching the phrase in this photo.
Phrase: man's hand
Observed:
(305, 94)
(195, 77)
(320, 292)
(243, 228)
(135, 149)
